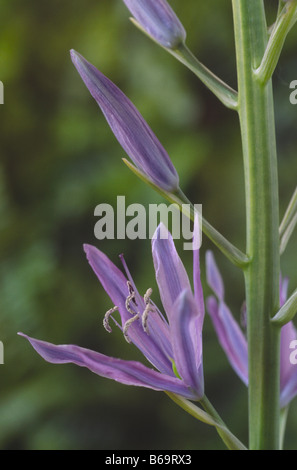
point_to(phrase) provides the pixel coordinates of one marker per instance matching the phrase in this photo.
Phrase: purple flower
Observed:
(173, 345)
(234, 342)
(128, 126)
(158, 19)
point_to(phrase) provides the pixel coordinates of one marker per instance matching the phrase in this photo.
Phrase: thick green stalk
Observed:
(261, 185)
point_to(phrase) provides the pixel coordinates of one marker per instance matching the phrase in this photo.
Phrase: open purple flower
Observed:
(158, 19)
(234, 342)
(173, 345)
(128, 126)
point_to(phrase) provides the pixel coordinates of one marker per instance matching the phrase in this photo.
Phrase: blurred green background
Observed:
(59, 160)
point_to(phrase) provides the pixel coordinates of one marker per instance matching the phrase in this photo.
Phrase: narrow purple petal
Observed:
(198, 290)
(230, 337)
(214, 278)
(115, 285)
(288, 371)
(126, 372)
(159, 20)
(171, 275)
(128, 126)
(283, 290)
(111, 278)
(186, 337)
(289, 391)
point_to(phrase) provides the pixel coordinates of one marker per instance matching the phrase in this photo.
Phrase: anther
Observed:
(130, 288)
(147, 295)
(106, 318)
(127, 326)
(147, 310)
(130, 298)
(132, 292)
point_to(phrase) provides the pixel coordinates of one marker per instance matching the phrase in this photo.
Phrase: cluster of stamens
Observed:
(132, 307)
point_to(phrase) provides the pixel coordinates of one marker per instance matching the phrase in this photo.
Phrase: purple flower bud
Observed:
(158, 19)
(129, 127)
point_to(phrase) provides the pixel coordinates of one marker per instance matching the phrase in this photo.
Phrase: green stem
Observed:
(289, 214)
(288, 223)
(287, 234)
(283, 422)
(231, 252)
(209, 416)
(227, 437)
(283, 24)
(261, 185)
(223, 92)
(287, 312)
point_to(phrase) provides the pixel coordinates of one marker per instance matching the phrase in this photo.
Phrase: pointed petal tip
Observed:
(209, 256)
(161, 232)
(185, 296)
(186, 300)
(75, 56)
(87, 247)
(93, 255)
(84, 67)
(158, 20)
(31, 340)
(213, 276)
(162, 226)
(91, 251)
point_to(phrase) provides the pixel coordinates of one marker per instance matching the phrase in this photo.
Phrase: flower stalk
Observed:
(220, 89)
(173, 40)
(288, 223)
(287, 312)
(285, 21)
(211, 417)
(256, 115)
